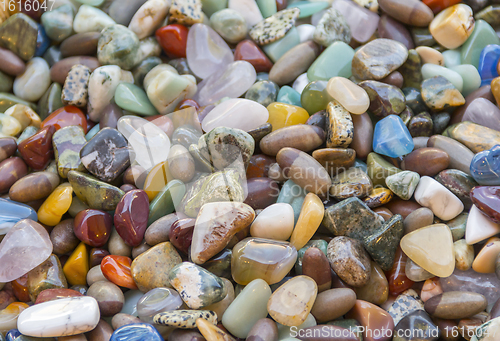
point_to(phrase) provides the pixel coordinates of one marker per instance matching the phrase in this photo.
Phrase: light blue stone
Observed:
(485, 167)
(308, 8)
(11, 212)
(95, 129)
(488, 60)
(131, 299)
(15, 335)
(452, 58)
(267, 7)
(482, 36)
(292, 194)
(289, 95)
(136, 332)
(262, 76)
(470, 76)
(278, 48)
(391, 137)
(361, 165)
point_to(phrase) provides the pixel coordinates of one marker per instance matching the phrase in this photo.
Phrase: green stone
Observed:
(212, 6)
(267, 7)
(19, 34)
(470, 76)
(6, 82)
(262, 76)
(7, 100)
(68, 142)
(490, 14)
(482, 35)
(323, 68)
(294, 195)
(27, 132)
(318, 243)
(263, 92)
(50, 101)
(119, 46)
(308, 8)
(279, 47)
(352, 218)
(457, 226)
(406, 116)
(314, 97)
(422, 36)
(166, 201)
(403, 184)
(411, 70)
(432, 70)
(382, 244)
(385, 99)
(379, 169)
(96, 194)
(289, 95)
(132, 98)
(92, 132)
(230, 25)
(58, 23)
(452, 58)
(414, 100)
(142, 69)
(438, 93)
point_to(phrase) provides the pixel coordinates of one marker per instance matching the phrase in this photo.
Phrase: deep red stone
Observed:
(262, 192)
(173, 40)
(258, 166)
(55, 294)
(487, 199)
(96, 256)
(20, 288)
(131, 216)
(93, 227)
(281, 4)
(438, 5)
(398, 282)
(249, 51)
(181, 234)
(37, 150)
(66, 116)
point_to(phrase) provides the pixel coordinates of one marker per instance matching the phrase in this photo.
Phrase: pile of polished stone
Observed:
(249, 169)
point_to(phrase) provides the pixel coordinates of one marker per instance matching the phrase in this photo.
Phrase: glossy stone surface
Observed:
(36, 150)
(93, 227)
(391, 137)
(323, 69)
(116, 269)
(339, 126)
(349, 95)
(372, 317)
(68, 142)
(236, 113)
(156, 301)
(11, 170)
(485, 199)
(460, 156)
(136, 332)
(47, 275)
(96, 194)
(131, 216)
(483, 167)
(248, 51)
(479, 226)
(349, 260)
(444, 26)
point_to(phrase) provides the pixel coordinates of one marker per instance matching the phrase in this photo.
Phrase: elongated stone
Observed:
(302, 137)
(403, 184)
(293, 63)
(236, 113)
(460, 156)
(339, 127)
(352, 182)
(455, 305)
(96, 194)
(349, 95)
(184, 319)
(412, 13)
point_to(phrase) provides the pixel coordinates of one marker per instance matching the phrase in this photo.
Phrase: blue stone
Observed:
(361, 165)
(292, 194)
(11, 212)
(136, 332)
(391, 137)
(488, 61)
(289, 95)
(485, 167)
(15, 335)
(42, 42)
(92, 132)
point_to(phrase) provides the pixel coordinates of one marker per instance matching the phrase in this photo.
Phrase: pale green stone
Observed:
(482, 35)
(403, 184)
(230, 25)
(457, 226)
(166, 201)
(287, 333)
(432, 70)
(132, 98)
(95, 129)
(452, 58)
(7, 100)
(211, 6)
(324, 68)
(294, 195)
(247, 308)
(267, 7)
(308, 8)
(118, 46)
(289, 95)
(471, 77)
(278, 48)
(58, 23)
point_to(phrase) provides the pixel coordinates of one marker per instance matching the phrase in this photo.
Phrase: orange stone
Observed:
(377, 322)
(116, 269)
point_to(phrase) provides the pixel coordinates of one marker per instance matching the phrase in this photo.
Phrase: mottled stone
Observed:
(186, 12)
(385, 99)
(403, 184)
(75, 90)
(438, 93)
(274, 27)
(339, 126)
(96, 194)
(332, 27)
(184, 319)
(67, 143)
(349, 260)
(352, 183)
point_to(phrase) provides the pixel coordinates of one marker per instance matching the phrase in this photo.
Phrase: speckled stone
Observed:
(332, 27)
(184, 319)
(186, 12)
(264, 92)
(403, 184)
(68, 142)
(438, 93)
(118, 45)
(339, 127)
(76, 86)
(351, 183)
(405, 304)
(274, 27)
(349, 260)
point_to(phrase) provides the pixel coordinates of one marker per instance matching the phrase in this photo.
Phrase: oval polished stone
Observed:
(181, 234)
(66, 116)
(63, 238)
(332, 304)
(248, 51)
(93, 227)
(349, 260)
(8, 147)
(131, 216)
(335, 160)
(452, 26)
(262, 192)
(412, 12)
(426, 161)
(460, 156)
(352, 97)
(302, 137)
(264, 329)
(59, 71)
(108, 296)
(293, 63)
(393, 29)
(116, 269)
(11, 64)
(80, 44)
(487, 199)
(372, 317)
(316, 265)
(34, 186)
(455, 304)
(11, 170)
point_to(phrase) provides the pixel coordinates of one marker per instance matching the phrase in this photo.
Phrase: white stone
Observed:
(237, 113)
(300, 83)
(439, 199)
(479, 227)
(248, 9)
(35, 80)
(352, 97)
(149, 17)
(148, 47)
(274, 222)
(91, 19)
(62, 317)
(306, 32)
(102, 86)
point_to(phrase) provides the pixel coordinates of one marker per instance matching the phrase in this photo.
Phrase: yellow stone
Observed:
(352, 97)
(158, 177)
(486, 258)
(452, 26)
(58, 203)
(290, 304)
(25, 115)
(431, 248)
(378, 197)
(464, 255)
(495, 89)
(284, 115)
(9, 126)
(429, 55)
(4, 13)
(77, 266)
(474, 136)
(9, 315)
(311, 215)
(211, 332)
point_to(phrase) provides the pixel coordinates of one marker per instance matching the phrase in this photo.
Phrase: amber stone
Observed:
(259, 164)
(248, 51)
(20, 288)
(116, 269)
(398, 282)
(8, 147)
(93, 227)
(37, 150)
(262, 192)
(66, 116)
(11, 170)
(181, 234)
(426, 161)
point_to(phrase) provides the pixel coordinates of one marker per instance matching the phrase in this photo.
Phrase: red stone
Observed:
(6, 298)
(398, 282)
(20, 288)
(258, 166)
(96, 256)
(131, 216)
(66, 116)
(116, 269)
(281, 4)
(93, 227)
(487, 199)
(173, 40)
(55, 294)
(249, 51)
(181, 234)
(438, 5)
(37, 150)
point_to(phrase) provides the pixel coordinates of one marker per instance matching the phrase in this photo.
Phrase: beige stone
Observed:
(352, 97)
(452, 26)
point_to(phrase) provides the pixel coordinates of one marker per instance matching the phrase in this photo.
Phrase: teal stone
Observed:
(166, 201)
(267, 7)
(323, 68)
(118, 45)
(264, 92)
(6, 82)
(318, 243)
(7, 100)
(92, 132)
(211, 6)
(470, 76)
(294, 195)
(27, 132)
(50, 101)
(58, 23)
(457, 226)
(132, 98)
(452, 58)
(52, 55)
(308, 8)
(95, 3)
(482, 35)
(361, 165)
(140, 71)
(19, 34)
(403, 184)
(278, 48)
(289, 95)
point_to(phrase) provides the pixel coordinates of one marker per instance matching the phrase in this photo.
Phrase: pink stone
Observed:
(362, 21)
(483, 112)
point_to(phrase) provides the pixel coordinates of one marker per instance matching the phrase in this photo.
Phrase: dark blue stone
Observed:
(485, 167)
(136, 332)
(42, 42)
(488, 61)
(11, 212)
(15, 335)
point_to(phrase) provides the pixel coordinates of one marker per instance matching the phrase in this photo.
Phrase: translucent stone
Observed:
(279, 47)
(274, 222)
(352, 97)
(362, 21)
(443, 203)
(470, 76)
(479, 227)
(237, 113)
(391, 137)
(311, 215)
(206, 51)
(156, 301)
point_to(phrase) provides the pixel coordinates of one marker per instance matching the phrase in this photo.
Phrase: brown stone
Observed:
(383, 212)
(102, 332)
(80, 44)
(120, 320)
(262, 192)
(403, 207)
(419, 218)
(263, 330)
(376, 291)
(11, 170)
(426, 161)
(332, 304)
(392, 29)
(10, 63)
(159, 231)
(248, 51)
(410, 12)
(59, 71)
(455, 304)
(63, 237)
(294, 62)
(8, 147)
(349, 260)
(372, 318)
(363, 135)
(395, 79)
(460, 155)
(301, 136)
(34, 186)
(316, 265)
(335, 160)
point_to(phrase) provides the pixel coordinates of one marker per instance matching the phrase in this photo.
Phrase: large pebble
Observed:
(349, 260)
(439, 199)
(35, 80)
(456, 304)
(332, 304)
(302, 137)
